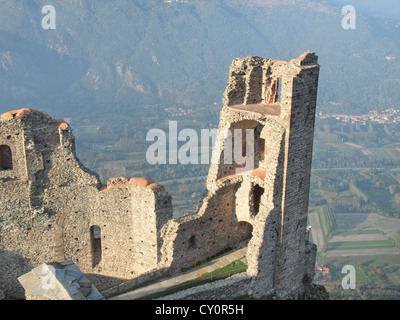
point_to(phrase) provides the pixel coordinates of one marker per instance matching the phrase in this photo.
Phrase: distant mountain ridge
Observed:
(269, 2)
(126, 54)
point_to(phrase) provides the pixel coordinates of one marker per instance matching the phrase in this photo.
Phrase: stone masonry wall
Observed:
(52, 208)
(50, 202)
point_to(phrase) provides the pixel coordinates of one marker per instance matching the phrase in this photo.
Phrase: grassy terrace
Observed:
(219, 274)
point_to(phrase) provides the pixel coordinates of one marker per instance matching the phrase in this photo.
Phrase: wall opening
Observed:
(256, 194)
(261, 150)
(95, 239)
(235, 158)
(243, 231)
(192, 242)
(279, 90)
(274, 95)
(6, 162)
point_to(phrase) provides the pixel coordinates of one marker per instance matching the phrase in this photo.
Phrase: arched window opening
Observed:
(192, 242)
(5, 158)
(257, 193)
(95, 238)
(243, 231)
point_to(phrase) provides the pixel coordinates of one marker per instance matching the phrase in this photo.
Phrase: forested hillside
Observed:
(123, 55)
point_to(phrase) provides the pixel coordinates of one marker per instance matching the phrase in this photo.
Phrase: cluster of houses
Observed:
(322, 269)
(175, 112)
(388, 116)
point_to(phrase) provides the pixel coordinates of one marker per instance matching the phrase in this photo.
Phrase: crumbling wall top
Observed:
(25, 112)
(307, 59)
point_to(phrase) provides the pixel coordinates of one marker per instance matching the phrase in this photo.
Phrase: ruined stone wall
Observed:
(50, 204)
(278, 100)
(299, 148)
(125, 214)
(215, 228)
(54, 209)
(228, 289)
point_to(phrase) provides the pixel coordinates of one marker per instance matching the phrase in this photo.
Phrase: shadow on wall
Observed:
(16, 266)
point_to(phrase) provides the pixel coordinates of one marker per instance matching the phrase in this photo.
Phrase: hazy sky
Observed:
(387, 8)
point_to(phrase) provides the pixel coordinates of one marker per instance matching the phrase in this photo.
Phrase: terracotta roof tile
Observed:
(145, 183)
(122, 182)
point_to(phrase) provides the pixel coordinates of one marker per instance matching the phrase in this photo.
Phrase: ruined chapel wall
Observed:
(51, 202)
(263, 248)
(48, 216)
(288, 136)
(129, 218)
(25, 235)
(212, 230)
(254, 80)
(292, 257)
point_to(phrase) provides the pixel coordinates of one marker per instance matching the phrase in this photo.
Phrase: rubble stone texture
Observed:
(52, 208)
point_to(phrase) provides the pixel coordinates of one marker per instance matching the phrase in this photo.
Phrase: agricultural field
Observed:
(354, 214)
(377, 277)
(353, 224)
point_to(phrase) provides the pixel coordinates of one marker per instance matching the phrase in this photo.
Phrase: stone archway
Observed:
(243, 231)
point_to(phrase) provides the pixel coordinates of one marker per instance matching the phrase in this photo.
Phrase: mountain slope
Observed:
(104, 56)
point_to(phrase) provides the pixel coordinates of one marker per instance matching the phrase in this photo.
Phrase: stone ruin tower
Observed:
(53, 209)
(267, 204)
(277, 99)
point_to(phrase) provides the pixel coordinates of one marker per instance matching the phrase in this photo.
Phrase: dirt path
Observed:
(354, 145)
(316, 230)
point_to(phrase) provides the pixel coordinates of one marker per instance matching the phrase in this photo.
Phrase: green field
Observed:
(381, 197)
(349, 221)
(231, 268)
(357, 232)
(219, 274)
(381, 154)
(346, 194)
(371, 272)
(354, 245)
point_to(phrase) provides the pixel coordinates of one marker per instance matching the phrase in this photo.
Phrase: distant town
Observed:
(388, 116)
(176, 112)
